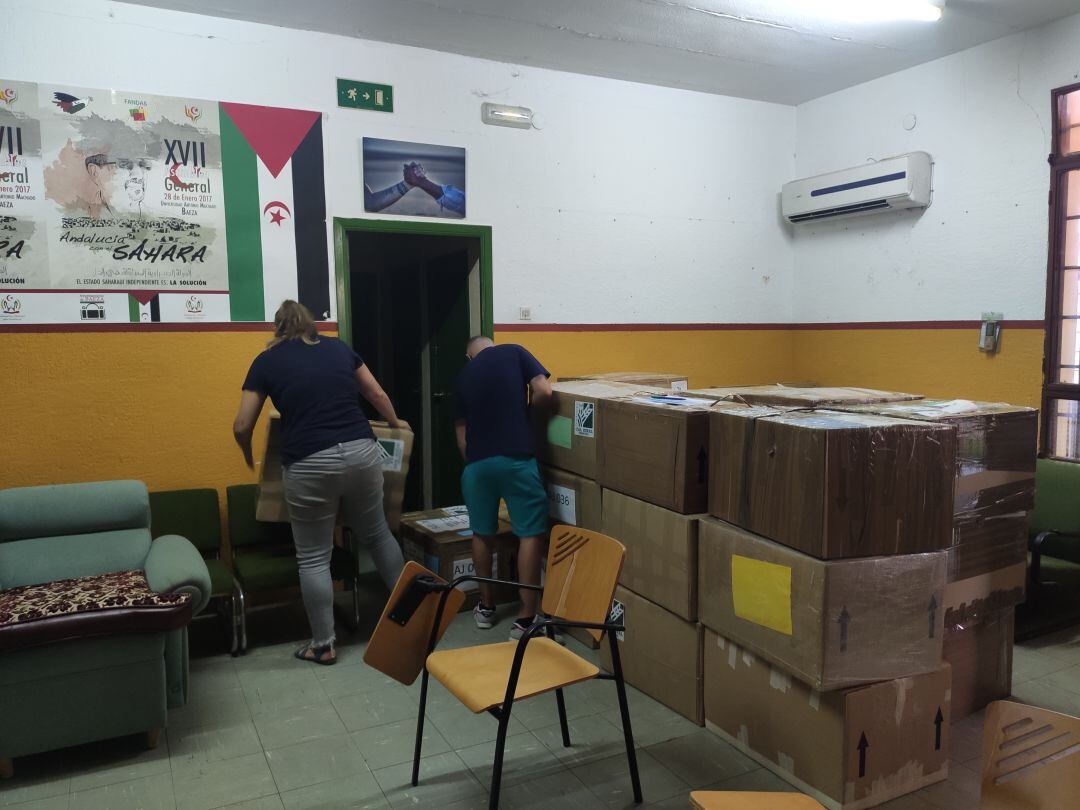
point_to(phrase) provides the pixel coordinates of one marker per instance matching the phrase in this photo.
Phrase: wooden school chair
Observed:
(582, 570)
(1030, 758)
(744, 800)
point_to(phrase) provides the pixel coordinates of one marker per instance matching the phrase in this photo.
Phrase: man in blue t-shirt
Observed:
(495, 436)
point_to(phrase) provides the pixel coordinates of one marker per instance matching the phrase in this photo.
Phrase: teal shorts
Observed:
(514, 480)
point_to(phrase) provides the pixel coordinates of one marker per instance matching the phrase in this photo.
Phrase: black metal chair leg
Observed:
(420, 728)
(624, 710)
(562, 717)
(497, 766)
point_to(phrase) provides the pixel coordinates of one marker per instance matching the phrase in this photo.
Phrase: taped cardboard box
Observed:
(661, 562)
(833, 624)
(397, 447)
(441, 540)
(660, 654)
(802, 396)
(833, 484)
(657, 449)
(996, 445)
(572, 499)
(980, 653)
(850, 749)
(985, 543)
(969, 599)
(675, 382)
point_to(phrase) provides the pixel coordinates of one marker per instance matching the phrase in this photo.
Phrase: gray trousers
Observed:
(348, 476)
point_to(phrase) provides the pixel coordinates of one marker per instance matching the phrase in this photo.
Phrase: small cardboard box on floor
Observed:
(661, 562)
(849, 749)
(833, 624)
(441, 540)
(660, 654)
(833, 484)
(656, 448)
(802, 396)
(396, 444)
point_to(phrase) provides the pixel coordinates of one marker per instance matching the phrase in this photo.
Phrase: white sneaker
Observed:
(484, 616)
(518, 630)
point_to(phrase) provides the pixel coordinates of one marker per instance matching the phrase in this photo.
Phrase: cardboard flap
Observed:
(400, 651)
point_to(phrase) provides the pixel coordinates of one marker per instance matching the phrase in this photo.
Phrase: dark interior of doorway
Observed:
(410, 311)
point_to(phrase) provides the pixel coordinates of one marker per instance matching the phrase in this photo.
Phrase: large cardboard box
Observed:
(660, 654)
(441, 540)
(568, 434)
(572, 499)
(850, 749)
(981, 655)
(985, 543)
(967, 600)
(675, 382)
(996, 446)
(657, 449)
(833, 484)
(661, 561)
(833, 624)
(397, 447)
(801, 396)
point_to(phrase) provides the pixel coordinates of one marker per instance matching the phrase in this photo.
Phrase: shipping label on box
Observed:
(835, 623)
(850, 749)
(464, 567)
(562, 504)
(572, 499)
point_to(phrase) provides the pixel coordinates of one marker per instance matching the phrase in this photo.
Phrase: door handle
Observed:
(441, 395)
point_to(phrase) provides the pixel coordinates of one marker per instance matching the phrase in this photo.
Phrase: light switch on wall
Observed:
(524, 314)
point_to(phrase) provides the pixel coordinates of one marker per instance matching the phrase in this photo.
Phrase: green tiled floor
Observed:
(266, 732)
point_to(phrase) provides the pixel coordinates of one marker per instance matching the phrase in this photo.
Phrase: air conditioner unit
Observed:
(890, 184)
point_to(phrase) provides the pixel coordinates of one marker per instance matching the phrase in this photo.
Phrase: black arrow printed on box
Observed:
(863, 745)
(939, 718)
(703, 466)
(932, 610)
(843, 619)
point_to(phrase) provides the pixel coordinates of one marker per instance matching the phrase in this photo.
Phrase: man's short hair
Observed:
(476, 339)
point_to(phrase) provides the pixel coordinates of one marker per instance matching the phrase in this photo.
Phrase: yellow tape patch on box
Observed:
(761, 592)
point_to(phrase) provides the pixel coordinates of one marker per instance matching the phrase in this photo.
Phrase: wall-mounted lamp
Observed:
(502, 115)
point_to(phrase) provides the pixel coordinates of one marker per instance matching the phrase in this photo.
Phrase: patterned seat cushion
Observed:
(105, 604)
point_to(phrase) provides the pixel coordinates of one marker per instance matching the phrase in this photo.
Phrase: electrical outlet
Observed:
(524, 314)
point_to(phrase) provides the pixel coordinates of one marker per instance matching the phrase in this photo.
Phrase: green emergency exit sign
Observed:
(365, 95)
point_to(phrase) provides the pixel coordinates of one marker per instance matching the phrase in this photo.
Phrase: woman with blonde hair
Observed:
(330, 457)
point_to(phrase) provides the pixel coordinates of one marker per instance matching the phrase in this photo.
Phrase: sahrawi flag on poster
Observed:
(275, 214)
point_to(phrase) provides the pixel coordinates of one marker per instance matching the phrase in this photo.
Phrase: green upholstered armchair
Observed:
(104, 674)
(1054, 529)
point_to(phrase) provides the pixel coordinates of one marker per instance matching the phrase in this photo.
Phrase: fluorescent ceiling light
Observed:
(875, 10)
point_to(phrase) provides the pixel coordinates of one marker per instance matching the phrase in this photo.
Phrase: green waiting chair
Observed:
(194, 514)
(264, 556)
(1054, 528)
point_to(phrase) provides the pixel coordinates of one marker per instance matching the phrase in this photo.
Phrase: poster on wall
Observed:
(413, 179)
(121, 206)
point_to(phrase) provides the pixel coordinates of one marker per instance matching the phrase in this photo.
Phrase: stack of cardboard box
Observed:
(986, 572)
(822, 574)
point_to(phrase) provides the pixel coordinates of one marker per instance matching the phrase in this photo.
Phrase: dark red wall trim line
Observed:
(740, 327)
(245, 326)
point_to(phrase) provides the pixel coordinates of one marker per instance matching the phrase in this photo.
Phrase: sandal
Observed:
(309, 652)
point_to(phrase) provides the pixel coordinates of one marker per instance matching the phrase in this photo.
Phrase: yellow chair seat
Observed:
(477, 676)
(741, 800)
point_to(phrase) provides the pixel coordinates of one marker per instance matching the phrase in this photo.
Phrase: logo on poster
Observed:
(10, 306)
(193, 112)
(8, 96)
(137, 113)
(193, 307)
(69, 103)
(92, 307)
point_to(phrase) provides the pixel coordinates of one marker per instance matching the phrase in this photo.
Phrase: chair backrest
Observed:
(1030, 758)
(1057, 497)
(582, 570)
(190, 513)
(72, 530)
(244, 529)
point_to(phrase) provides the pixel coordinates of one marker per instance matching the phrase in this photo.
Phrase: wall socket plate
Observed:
(524, 314)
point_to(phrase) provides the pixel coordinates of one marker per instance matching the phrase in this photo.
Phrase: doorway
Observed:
(410, 294)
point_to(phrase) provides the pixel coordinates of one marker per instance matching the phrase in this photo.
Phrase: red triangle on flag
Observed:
(144, 297)
(273, 132)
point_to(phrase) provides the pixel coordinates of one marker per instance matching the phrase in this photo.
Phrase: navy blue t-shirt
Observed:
(314, 388)
(492, 399)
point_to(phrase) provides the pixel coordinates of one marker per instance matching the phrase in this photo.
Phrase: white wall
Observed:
(634, 203)
(984, 114)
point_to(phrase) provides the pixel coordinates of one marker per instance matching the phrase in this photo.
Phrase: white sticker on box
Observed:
(393, 454)
(464, 567)
(562, 504)
(585, 419)
(455, 510)
(447, 524)
(680, 385)
(618, 610)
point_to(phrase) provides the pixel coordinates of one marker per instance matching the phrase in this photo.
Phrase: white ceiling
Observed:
(773, 50)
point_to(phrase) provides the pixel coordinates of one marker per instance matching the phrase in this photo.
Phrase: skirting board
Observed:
(794, 781)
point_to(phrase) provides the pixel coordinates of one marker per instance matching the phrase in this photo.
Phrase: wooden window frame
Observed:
(1060, 166)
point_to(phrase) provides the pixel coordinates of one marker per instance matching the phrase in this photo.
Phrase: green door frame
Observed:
(343, 226)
